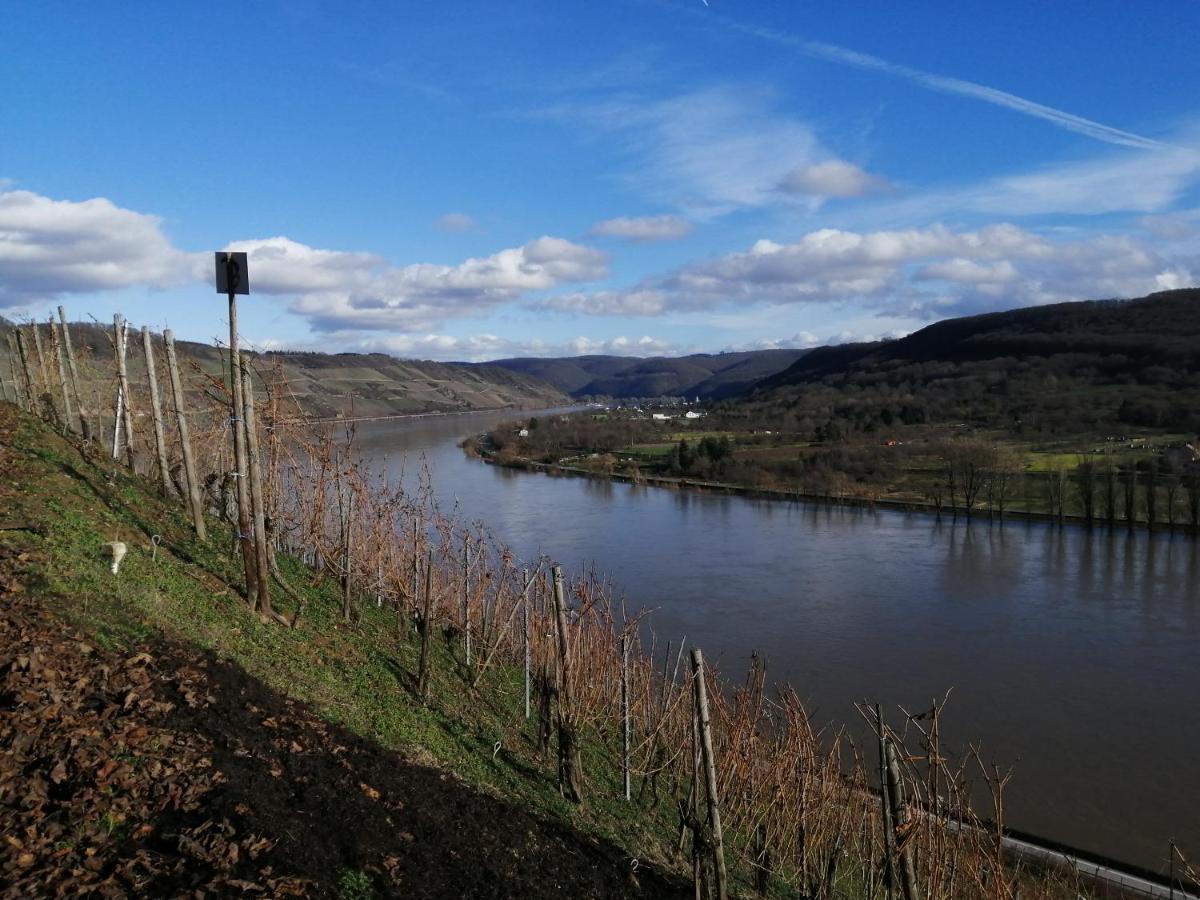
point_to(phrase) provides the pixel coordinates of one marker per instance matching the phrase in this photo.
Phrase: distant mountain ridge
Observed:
(710, 376)
(1078, 365)
(332, 384)
(1154, 330)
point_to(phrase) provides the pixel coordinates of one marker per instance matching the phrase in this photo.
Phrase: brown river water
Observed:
(1073, 655)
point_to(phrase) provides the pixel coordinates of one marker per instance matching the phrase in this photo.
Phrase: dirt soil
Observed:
(161, 771)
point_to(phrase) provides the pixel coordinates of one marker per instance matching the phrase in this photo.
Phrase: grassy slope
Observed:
(358, 677)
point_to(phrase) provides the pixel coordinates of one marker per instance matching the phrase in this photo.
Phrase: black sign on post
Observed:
(232, 275)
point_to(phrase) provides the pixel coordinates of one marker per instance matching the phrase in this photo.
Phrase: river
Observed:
(1072, 654)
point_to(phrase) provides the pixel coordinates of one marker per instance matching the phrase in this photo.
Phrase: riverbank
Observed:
(390, 417)
(475, 446)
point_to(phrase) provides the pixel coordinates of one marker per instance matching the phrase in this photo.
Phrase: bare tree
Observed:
(1110, 492)
(968, 465)
(1085, 487)
(1129, 484)
(1056, 492)
(1003, 470)
(1150, 489)
(1172, 480)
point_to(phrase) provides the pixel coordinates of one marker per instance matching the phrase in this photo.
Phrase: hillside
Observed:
(359, 384)
(160, 739)
(1068, 367)
(710, 376)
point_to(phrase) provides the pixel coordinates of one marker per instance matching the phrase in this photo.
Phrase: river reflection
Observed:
(1071, 653)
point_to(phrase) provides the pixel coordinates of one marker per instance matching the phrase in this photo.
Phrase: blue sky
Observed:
(470, 181)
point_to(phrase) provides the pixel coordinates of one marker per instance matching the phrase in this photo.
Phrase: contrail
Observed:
(946, 85)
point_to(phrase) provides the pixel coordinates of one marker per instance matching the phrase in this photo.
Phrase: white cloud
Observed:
(279, 265)
(915, 272)
(832, 178)
(644, 228)
(801, 340)
(456, 222)
(623, 346)
(484, 347)
(858, 337)
(1174, 279)
(53, 247)
(610, 303)
(338, 290)
(966, 271)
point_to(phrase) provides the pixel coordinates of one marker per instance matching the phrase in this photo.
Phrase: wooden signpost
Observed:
(232, 278)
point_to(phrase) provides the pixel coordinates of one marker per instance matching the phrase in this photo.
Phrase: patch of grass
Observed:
(650, 451)
(354, 884)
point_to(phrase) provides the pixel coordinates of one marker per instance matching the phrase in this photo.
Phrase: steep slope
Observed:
(160, 740)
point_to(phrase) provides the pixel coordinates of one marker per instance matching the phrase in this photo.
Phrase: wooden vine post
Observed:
(626, 724)
(160, 439)
(346, 511)
(901, 824)
(68, 411)
(85, 425)
(889, 834)
(257, 505)
(466, 595)
(185, 438)
(570, 764)
(525, 629)
(44, 399)
(27, 368)
(124, 414)
(18, 389)
(43, 377)
(710, 772)
(426, 631)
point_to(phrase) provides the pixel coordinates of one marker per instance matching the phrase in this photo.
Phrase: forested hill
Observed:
(705, 375)
(328, 384)
(1070, 366)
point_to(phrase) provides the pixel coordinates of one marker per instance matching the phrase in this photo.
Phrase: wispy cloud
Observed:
(710, 151)
(454, 222)
(942, 84)
(483, 347)
(644, 228)
(1144, 181)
